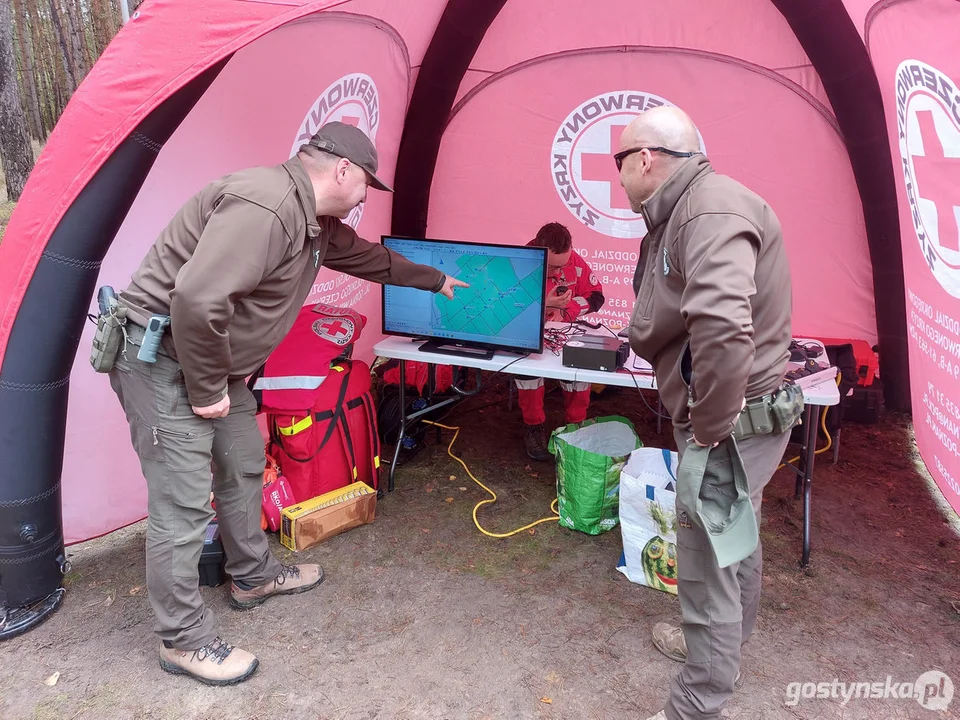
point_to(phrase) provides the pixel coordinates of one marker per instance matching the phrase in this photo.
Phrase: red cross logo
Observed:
(335, 328)
(938, 180)
(600, 167)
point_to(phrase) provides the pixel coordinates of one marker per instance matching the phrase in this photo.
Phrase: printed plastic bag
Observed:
(590, 457)
(648, 519)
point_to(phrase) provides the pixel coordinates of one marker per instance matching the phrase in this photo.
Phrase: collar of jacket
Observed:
(657, 208)
(308, 201)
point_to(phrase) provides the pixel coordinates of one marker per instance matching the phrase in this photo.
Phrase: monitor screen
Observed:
(502, 308)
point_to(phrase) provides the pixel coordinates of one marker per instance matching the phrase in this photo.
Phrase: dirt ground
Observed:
(422, 616)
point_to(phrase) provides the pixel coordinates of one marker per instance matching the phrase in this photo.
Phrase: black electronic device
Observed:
(502, 309)
(595, 352)
(212, 559)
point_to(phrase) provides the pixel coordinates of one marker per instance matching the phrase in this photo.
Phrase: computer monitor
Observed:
(501, 310)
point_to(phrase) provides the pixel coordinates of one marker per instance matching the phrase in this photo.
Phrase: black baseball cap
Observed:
(352, 143)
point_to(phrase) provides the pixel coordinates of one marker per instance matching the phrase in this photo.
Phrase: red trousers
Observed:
(576, 400)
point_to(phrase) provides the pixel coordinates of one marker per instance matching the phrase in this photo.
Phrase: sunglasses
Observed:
(618, 158)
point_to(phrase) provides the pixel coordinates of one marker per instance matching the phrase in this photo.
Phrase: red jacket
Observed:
(586, 288)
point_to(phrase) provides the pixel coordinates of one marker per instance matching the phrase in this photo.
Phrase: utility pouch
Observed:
(786, 408)
(109, 338)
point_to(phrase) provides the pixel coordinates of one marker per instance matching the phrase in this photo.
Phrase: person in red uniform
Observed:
(572, 291)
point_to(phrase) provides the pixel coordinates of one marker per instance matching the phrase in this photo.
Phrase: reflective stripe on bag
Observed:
(289, 382)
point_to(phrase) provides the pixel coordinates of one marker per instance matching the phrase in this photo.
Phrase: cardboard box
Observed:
(311, 522)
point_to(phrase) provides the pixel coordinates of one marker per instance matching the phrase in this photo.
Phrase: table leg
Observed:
(804, 443)
(403, 424)
(810, 450)
(431, 384)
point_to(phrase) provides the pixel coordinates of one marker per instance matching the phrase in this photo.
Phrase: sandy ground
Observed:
(421, 616)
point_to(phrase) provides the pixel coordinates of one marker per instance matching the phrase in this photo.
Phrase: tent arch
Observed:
(47, 305)
(831, 41)
(838, 53)
(653, 50)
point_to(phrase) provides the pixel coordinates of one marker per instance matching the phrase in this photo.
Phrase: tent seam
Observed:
(753, 67)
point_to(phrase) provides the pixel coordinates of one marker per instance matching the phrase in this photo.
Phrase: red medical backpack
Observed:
(320, 412)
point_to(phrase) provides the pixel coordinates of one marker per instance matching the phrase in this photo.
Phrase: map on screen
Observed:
(503, 305)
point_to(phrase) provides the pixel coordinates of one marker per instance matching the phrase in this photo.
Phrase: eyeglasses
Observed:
(618, 158)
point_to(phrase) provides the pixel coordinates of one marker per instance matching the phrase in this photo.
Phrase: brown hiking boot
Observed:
(292, 579)
(216, 663)
(669, 640)
(535, 442)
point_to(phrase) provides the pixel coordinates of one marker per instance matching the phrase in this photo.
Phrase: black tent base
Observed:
(15, 621)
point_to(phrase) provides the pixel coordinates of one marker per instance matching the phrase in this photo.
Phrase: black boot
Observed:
(534, 439)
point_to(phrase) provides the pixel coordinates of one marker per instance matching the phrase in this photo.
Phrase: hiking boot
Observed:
(291, 580)
(535, 442)
(669, 640)
(216, 663)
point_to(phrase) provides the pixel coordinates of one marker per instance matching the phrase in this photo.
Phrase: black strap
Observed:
(333, 415)
(345, 427)
(327, 414)
(374, 439)
(251, 381)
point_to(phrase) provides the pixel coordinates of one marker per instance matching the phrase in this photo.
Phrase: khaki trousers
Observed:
(718, 605)
(183, 456)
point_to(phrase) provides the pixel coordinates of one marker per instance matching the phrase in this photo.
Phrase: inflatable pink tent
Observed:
(491, 118)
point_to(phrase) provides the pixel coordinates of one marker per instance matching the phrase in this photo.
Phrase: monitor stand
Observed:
(455, 348)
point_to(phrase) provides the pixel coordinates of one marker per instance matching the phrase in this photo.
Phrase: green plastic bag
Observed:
(590, 457)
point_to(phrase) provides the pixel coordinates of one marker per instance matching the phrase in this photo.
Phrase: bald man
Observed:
(713, 318)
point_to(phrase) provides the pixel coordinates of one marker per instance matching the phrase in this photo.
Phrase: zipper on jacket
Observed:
(648, 277)
(685, 371)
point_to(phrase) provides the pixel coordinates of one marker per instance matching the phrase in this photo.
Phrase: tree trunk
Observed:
(104, 25)
(76, 41)
(46, 65)
(84, 11)
(57, 66)
(15, 151)
(29, 75)
(61, 40)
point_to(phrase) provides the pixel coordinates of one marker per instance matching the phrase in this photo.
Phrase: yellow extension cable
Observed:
(553, 509)
(456, 432)
(823, 426)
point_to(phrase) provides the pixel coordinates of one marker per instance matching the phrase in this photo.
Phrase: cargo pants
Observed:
(183, 456)
(718, 605)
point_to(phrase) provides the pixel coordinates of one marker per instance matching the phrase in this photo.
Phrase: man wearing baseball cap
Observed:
(230, 273)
